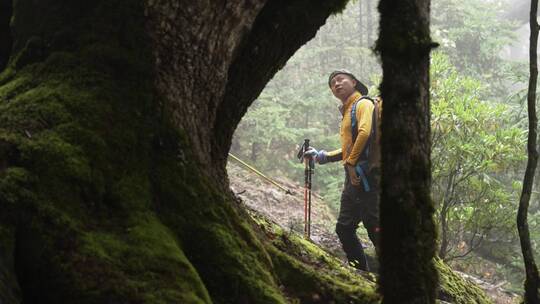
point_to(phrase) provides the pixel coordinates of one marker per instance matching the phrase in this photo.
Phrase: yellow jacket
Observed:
(350, 152)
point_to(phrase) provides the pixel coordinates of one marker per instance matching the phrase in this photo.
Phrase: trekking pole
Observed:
(308, 170)
(311, 171)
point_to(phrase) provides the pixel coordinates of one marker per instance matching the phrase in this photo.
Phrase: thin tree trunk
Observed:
(531, 270)
(444, 231)
(408, 273)
(444, 216)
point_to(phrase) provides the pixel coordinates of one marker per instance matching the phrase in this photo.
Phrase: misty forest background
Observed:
(479, 77)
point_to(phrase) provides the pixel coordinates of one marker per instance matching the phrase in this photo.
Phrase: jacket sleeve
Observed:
(364, 116)
(334, 156)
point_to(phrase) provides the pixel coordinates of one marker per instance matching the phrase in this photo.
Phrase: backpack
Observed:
(371, 155)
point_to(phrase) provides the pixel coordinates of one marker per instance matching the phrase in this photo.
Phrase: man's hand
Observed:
(318, 156)
(355, 180)
(311, 153)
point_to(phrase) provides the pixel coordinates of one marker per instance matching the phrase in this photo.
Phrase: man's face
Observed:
(342, 86)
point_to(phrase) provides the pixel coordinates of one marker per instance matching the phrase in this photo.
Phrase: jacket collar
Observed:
(354, 97)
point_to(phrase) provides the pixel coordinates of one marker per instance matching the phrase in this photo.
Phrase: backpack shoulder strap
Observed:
(362, 166)
(353, 116)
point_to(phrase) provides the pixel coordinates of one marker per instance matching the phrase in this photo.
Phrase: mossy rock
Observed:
(456, 289)
(309, 274)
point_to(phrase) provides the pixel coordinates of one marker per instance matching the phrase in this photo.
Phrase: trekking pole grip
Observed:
(303, 150)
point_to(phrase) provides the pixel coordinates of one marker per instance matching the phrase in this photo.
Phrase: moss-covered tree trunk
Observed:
(6, 8)
(408, 274)
(115, 122)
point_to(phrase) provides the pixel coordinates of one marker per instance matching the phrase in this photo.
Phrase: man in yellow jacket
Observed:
(359, 199)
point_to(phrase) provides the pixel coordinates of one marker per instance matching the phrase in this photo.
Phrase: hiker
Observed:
(359, 198)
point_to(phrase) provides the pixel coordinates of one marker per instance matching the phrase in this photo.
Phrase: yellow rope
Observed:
(260, 174)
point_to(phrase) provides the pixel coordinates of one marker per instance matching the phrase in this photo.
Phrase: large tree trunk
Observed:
(115, 122)
(532, 280)
(408, 274)
(5, 47)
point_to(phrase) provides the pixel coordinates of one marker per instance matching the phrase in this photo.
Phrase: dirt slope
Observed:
(285, 209)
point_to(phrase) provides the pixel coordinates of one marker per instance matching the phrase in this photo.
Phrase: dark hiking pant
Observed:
(358, 206)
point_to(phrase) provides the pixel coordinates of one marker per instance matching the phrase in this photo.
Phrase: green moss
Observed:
(309, 274)
(140, 254)
(230, 259)
(12, 86)
(78, 122)
(309, 284)
(6, 75)
(9, 289)
(15, 185)
(135, 260)
(49, 154)
(132, 262)
(456, 289)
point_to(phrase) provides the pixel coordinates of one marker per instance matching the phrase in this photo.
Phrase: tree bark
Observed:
(445, 208)
(279, 30)
(532, 281)
(115, 122)
(443, 250)
(408, 232)
(6, 9)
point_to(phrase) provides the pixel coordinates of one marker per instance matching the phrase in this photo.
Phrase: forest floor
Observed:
(287, 210)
